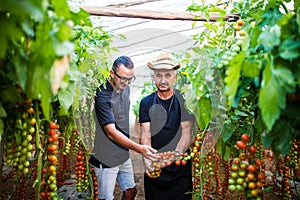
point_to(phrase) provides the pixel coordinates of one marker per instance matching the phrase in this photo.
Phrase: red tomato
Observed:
(245, 137)
(252, 149)
(241, 144)
(177, 162)
(258, 162)
(252, 168)
(52, 125)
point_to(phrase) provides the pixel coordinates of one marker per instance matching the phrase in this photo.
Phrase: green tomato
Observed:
(25, 170)
(233, 54)
(20, 166)
(29, 138)
(26, 163)
(225, 57)
(29, 147)
(24, 125)
(242, 173)
(24, 143)
(232, 188)
(239, 42)
(234, 175)
(32, 130)
(239, 188)
(231, 181)
(28, 154)
(24, 151)
(240, 181)
(9, 144)
(225, 62)
(236, 48)
(24, 133)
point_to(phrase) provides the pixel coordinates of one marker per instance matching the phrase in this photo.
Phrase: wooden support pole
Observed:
(155, 15)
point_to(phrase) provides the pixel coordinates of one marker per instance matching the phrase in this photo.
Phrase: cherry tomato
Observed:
(183, 162)
(240, 22)
(245, 137)
(241, 144)
(252, 149)
(52, 125)
(252, 168)
(251, 185)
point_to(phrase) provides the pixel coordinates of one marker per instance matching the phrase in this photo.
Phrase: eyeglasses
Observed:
(124, 79)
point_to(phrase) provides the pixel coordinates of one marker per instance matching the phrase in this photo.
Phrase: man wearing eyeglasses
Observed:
(112, 141)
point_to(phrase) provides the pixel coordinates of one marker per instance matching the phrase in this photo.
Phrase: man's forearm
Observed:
(186, 137)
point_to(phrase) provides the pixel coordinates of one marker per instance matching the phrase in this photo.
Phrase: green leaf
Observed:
(45, 99)
(11, 94)
(284, 77)
(267, 141)
(204, 109)
(232, 78)
(64, 32)
(64, 48)
(18, 137)
(39, 86)
(61, 9)
(259, 124)
(226, 152)
(27, 27)
(272, 96)
(227, 131)
(240, 113)
(1, 129)
(226, 136)
(224, 149)
(270, 100)
(298, 15)
(251, 69)
(80, 17)
(280, 137)
(289, 49)
(24, 9)
(21, 71)
(2, 111)
(8, 34)
(271, 16)
(66, 98)
(270, 38)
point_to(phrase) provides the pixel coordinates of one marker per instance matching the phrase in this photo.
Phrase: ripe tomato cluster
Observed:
(195, 156)
(166, 159)
(82, 179)
(95, 183)
(247, 174)
(50, 170)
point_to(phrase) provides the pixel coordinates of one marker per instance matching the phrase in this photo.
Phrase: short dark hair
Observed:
(125, 60)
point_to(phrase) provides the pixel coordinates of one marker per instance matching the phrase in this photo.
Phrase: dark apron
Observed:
(174, 180)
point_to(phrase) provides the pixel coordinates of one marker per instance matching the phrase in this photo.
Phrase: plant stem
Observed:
(38, 183)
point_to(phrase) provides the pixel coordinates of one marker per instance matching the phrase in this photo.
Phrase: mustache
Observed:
(163, 84)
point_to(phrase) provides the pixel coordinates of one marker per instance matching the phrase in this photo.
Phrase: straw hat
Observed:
(165, 60)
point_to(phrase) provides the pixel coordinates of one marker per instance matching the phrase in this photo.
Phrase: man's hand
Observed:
(150, 171)
(149, 153)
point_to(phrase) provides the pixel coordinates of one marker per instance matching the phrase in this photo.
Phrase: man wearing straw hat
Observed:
(166, 126)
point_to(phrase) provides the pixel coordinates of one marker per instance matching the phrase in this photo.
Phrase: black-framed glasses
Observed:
(124, 79)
